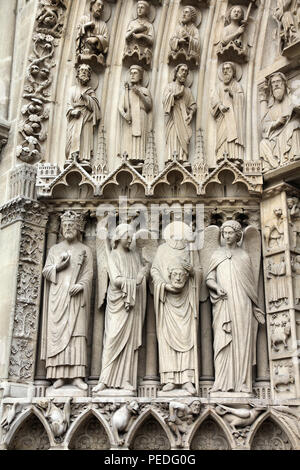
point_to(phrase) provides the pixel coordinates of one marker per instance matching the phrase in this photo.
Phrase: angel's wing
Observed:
(102, 247)
(252, 244)
(146, 244)
(211, 244)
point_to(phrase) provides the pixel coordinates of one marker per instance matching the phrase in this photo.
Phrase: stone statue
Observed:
(233, 45)
(295, 262)
(278, 289)
(274, 233)
(228, 109)
(92, 36)
(280, 125)
(232, 280)
(179, 108)
(140, 35)
(239, 417)
(125, 309)
(59, 420)
(294, 221)
(185, 43)
(83, 115)
(177, 276)
(122, 419)
(134, 107)
(287, 23)
(181, 417)
(68, 272)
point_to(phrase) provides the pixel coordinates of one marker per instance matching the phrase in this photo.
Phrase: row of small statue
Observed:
(280, 109)
(225, 270)
(279, 146)
(136, 102)
(92, 41)
(93, 35)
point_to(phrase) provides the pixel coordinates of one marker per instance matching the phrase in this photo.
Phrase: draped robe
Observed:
(175, 317)
(234, 324)
(134, 135)
(178, 131)
(100, 31)
(192, 49)
(123, 329)
(281, 145)
(65, 317)
(139, 46)
(230, 125)
(80, 131)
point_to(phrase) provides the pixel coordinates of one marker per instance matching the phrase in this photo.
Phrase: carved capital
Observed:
(25, 210)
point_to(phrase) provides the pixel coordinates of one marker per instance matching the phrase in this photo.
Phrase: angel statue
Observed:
(121, 268)
(176, 276)
(232, 278)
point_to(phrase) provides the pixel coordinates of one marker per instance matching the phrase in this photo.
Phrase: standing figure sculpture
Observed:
(83, 115)
(228, 109)
(176, 276)
(179, 108)
(140, 35)
(232, 280)
(284, 15)
(69, 273)
(185, 43)
(125, 309)
(135, 105)
(92, 38)
(280, 125)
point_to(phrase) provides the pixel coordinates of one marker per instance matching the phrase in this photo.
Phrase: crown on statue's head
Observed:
(77, 218)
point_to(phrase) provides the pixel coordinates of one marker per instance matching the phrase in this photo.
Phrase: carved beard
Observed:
(227, 79)
(278, 94)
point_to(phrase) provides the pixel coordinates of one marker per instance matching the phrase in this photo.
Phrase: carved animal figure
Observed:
(59, 420)
(8, 416)
(283, 379)
(122, 419)
(280, 335)
(239, 417)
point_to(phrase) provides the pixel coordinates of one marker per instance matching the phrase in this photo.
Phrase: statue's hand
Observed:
(170, 288)
(75, 113)
(63, 262)
(223, 108)
(75, 289)
(221, 293)
(241, 29)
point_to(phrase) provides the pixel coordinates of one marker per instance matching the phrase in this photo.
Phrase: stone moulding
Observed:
(47, 34)
(49, 176)
(33, 218)
(16, 412)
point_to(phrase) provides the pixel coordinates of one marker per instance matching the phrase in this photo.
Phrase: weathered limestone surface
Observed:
(150, 224)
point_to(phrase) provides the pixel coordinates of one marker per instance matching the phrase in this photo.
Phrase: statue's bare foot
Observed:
(101, 386)
(168, 387)
(58, 383)
(80, 383)
(189, 387)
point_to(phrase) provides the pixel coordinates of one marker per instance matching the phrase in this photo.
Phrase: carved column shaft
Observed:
(280, 296)
(32, 219)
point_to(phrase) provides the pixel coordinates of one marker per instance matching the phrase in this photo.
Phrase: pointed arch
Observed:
(89, 432)
(38, 428)
(151, 424)
(214, 434)
(270, 433)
